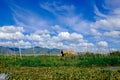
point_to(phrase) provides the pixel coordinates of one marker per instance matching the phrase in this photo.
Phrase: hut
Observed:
(67, 52)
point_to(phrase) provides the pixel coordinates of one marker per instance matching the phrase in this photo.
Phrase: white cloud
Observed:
(11, 36)
(63, 40)
(22, 44)
(85, 44)
(70, 29)
(81, 26)
(42, 32)
(11, 32)
(6, 44)
(57, 8)
(116, 11)
(28, 19)
(64, 35)
(76, 36)
(98, 13)
(70, 20)
(102, 44)
(75, 22)
(66, 15)
(5, 36)
(73, 37)
(11, 29)
(111, 21)
(107, 28)
(95, 32)
(43, 38)
(18, 35)
(58, 29)
(114, 34)
(34, 37)
(112, 4)
(107, 24)
(72, 41)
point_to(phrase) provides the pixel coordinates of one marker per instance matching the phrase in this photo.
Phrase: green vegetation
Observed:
(60, 73)
(78, 67)
(83, 60)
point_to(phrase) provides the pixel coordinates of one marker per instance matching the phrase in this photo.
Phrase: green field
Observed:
(87, 66)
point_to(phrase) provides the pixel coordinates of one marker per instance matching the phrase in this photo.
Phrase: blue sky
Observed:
(65, 24)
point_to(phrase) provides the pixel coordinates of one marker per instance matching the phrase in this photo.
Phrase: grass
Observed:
(55, 61)
(60, 73)
(81, 67)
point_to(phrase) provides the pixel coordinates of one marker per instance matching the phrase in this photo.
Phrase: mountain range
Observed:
(35, 50)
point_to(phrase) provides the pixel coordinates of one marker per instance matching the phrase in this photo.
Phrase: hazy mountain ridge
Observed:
(35, 50)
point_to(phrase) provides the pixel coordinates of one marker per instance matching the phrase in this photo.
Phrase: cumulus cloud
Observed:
(43, 38)
(11, 29)
(18, 35)
(71, 30)
(72, 41)
(85, 44)
(64, 35)
(22, 44)
(6, 44)
(107, 27)
(95, 32)
(102, 44)
(42, 32)
(107, 24)
(111, 21)
(5, 36)
(58, 29)
(71, 37)
(76, 36)
(11, 32)
(34, 37)
(114, 34)
(11, 36)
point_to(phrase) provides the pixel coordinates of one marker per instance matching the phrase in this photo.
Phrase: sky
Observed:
(80, 25)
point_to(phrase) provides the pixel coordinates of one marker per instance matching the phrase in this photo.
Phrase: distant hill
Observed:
(35, 50)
